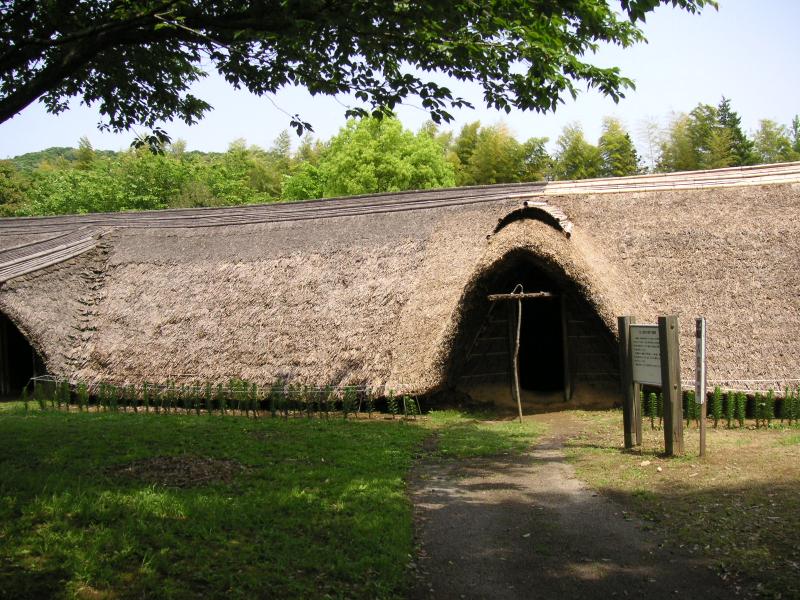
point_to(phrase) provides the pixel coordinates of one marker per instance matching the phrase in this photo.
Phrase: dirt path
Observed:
(525, 527)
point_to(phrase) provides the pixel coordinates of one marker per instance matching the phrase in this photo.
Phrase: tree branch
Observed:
(71, 59)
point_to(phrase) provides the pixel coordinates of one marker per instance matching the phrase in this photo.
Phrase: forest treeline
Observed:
(369, 156)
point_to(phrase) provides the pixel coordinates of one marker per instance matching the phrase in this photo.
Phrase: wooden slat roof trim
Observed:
(15, 263)
(263, 213)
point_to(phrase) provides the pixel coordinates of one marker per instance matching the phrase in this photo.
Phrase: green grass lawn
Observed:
(295, 508)
(461, 435)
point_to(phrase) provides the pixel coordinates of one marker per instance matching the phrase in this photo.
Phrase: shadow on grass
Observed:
(515, 527)
(278, 529)
(512, 538)
(46, 580)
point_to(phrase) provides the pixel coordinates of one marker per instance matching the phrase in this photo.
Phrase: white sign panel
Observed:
(646, 354)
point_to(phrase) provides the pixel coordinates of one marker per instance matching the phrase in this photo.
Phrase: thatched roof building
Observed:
(391, 290)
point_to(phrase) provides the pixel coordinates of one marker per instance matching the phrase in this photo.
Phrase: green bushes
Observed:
(769, 407)
(741, 408)
(730, 409)
(391, 403)
(790, 411)
(241, 397)
(83, 396)
(764, 408)
(237, 397)
(652, 409)
(410, 406)
(716, 406)
(734, 408)
(348, 401)
(691, 409)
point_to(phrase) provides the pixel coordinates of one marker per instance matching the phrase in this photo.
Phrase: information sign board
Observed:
(646, 354)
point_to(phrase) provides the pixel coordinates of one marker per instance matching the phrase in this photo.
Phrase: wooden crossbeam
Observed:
(521, 296)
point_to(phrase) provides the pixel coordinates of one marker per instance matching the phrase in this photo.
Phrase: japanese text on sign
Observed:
(646, 354)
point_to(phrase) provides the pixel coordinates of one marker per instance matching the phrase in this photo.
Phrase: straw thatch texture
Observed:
(727, 254)
(383, 297)
(55, 308)
(329, 303)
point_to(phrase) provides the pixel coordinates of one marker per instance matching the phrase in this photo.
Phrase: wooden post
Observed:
(565, 338)
(516, 359)
(629, 387)
(637, 413)
(703, 414)
(700, 379)
(668, 335)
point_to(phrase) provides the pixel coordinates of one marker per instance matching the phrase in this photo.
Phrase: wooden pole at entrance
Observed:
(668, 335)
(516, 359)
(518, 295)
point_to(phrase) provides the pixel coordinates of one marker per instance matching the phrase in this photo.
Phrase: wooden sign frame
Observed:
(669, 355)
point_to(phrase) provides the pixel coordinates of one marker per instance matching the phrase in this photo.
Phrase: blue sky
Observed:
(748, 51)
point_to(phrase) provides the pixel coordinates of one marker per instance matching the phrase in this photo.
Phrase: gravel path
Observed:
(526, 527)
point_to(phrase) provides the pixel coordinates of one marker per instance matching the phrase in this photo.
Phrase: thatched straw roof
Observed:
(378, 289)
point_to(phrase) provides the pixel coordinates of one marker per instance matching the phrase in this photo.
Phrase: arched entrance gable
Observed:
(567, 354)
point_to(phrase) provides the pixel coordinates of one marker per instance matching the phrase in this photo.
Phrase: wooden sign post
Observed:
(631, 407)
(671, 385)
(700, 378)
(649, 355)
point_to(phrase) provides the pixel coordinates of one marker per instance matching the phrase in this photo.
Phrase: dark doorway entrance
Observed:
(541, 345)
(18, 360)
(566, 353)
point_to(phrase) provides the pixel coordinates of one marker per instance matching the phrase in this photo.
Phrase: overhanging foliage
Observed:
(137, 59)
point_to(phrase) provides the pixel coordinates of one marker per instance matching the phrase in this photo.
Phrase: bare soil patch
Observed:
(180, 471)
(524, 526)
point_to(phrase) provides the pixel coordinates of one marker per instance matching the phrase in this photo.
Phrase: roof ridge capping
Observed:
(726, 177)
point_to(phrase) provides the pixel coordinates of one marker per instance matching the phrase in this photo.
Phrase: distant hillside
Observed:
(31, 160)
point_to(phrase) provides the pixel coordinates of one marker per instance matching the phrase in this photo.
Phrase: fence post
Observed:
(668, 334)
(700, 379)
(629, 388)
